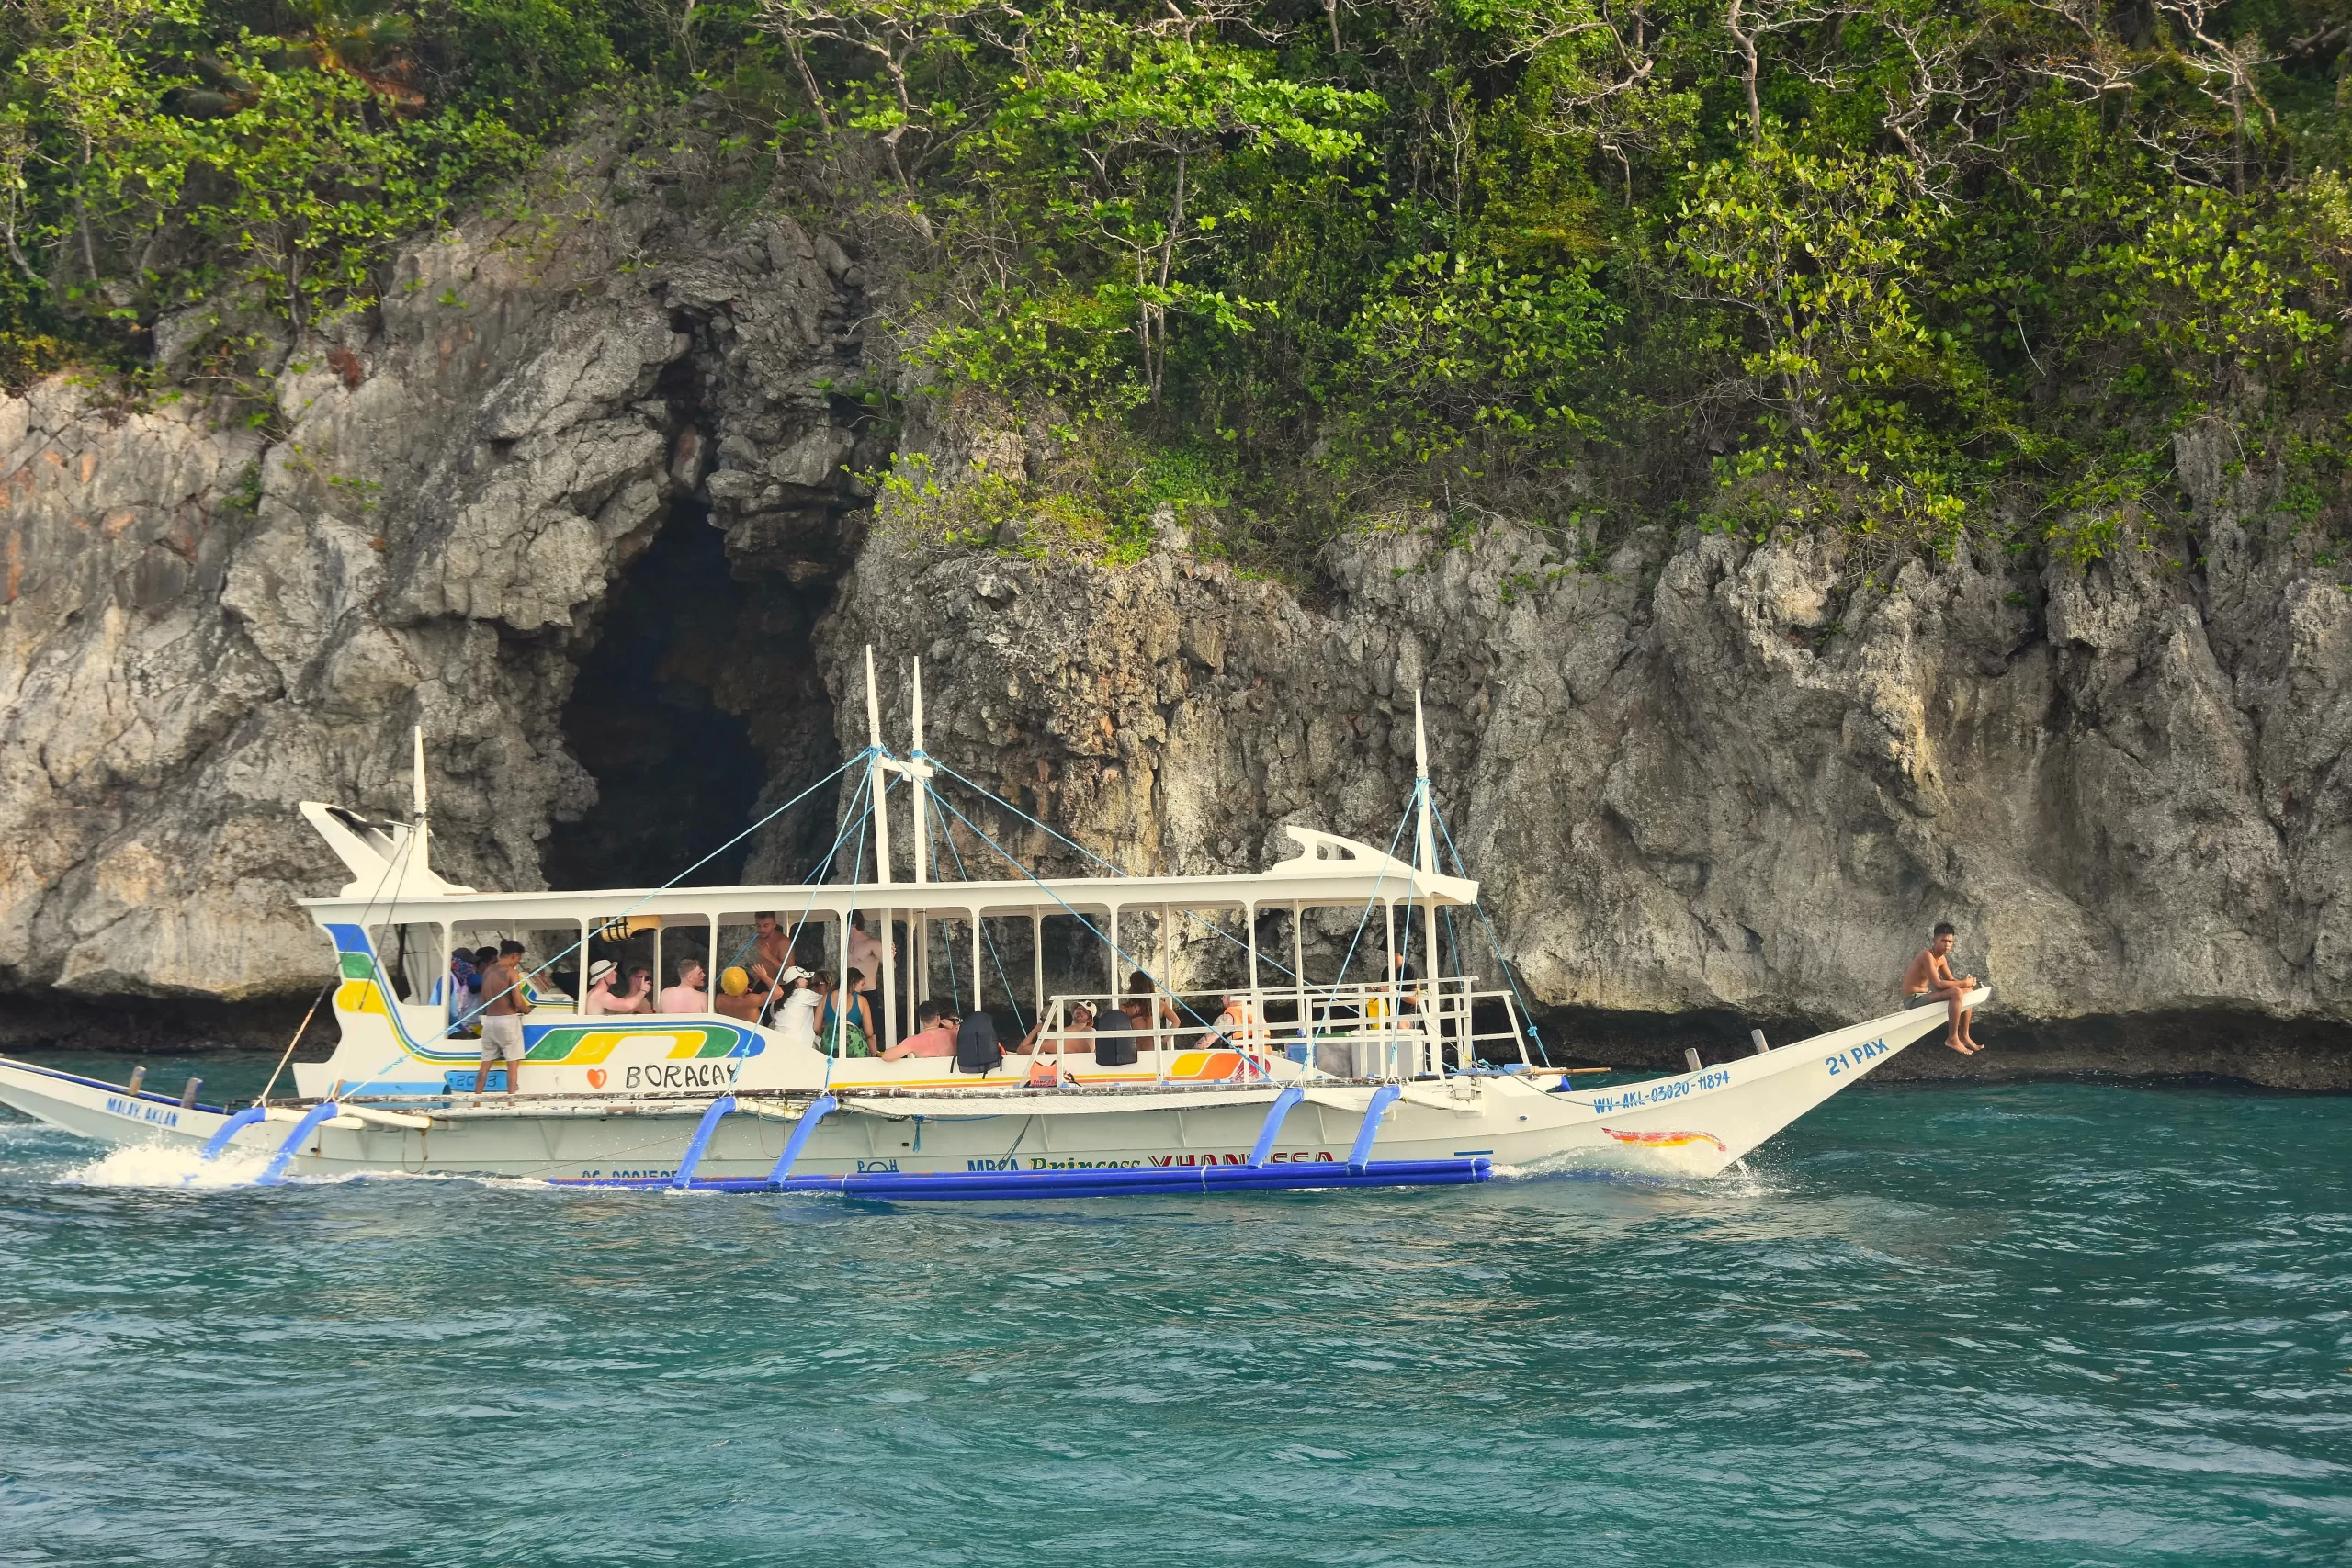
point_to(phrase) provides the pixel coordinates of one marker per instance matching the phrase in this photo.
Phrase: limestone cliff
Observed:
(212, 611)
(1706, 784)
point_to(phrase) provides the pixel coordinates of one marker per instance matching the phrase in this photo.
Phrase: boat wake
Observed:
(175, 1166)
(179, 1169)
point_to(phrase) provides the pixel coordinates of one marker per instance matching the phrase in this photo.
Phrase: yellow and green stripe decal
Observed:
(573, 1044)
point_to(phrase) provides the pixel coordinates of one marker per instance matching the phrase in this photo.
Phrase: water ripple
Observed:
(2060, 1323)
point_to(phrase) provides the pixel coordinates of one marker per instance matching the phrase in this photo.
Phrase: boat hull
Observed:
(1691, 1124)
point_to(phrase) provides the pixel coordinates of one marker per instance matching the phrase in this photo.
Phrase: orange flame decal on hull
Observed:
(1667, 1140)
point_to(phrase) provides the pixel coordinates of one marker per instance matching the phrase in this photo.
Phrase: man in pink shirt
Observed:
(934, 1035)
(691, 993)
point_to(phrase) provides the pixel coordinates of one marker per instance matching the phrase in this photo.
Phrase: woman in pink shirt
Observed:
(934, 1036)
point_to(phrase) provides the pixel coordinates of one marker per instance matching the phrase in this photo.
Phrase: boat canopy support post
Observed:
(818, 1109)
(1111, 951)
(229, 1128)
(1298, 978)
(720, 1109)
(1249, 929)
(1360, 1153)
(1264, 1148)
(274, 1171)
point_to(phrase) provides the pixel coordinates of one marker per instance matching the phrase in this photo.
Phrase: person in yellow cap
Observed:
(735, 998)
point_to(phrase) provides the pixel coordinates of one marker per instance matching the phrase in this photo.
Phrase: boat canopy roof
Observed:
(391, 882)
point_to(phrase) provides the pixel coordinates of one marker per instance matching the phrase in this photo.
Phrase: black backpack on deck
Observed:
(976, 1048)
(1114, 1040)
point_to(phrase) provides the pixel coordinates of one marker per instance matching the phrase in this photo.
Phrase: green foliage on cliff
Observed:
(1912, 269)
(156, 151)
(1909, 270)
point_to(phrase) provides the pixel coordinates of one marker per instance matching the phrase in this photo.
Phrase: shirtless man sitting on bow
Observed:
(1929, 981)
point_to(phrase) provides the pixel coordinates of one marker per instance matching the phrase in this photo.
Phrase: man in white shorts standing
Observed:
(503, 1004)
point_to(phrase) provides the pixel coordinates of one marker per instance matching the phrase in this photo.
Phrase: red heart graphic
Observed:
(596, 1077)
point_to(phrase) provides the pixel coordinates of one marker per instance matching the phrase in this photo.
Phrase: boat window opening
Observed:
(1212, 948)
(414, 958)
(552, 964)
(1273, 941)
(1007, 941)
(628, 942)
(1070, 954)
(550, 957)
(734, 945)
(806, 940)
(680, 942)
(933, 960)
(1136, 973)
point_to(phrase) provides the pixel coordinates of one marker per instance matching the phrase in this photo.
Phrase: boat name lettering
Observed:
(1659, 1093)
(1840, 1063)
(866, 1165)
(1279, 1156)
(647, 1175)
(140, 1110)
(680, 1074)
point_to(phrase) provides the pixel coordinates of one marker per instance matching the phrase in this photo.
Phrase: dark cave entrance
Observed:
(659, 716)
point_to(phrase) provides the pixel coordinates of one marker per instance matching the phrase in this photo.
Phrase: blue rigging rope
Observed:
(1493, 941)
(1115, 870)
(1110, 940)
(640, 903)
(1021, 1024)
(954, 985)
(864, 788)
(1370, 899)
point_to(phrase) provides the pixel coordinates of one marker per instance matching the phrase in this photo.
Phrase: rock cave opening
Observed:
(659, 716)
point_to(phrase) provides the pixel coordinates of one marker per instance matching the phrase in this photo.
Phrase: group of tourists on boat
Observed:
(489, 990)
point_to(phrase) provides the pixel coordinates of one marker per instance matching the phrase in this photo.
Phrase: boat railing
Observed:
(1377, 1029)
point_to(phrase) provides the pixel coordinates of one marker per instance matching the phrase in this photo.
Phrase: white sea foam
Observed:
(175, 1166)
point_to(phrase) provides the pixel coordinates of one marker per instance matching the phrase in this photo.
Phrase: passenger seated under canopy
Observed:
(934, 1033)
(688, 995)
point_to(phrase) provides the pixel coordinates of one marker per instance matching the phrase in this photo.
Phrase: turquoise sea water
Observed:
(2047, 1323)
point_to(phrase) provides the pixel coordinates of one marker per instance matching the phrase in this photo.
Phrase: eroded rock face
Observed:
(1688, 792)
(1704, 783)
(204, 623)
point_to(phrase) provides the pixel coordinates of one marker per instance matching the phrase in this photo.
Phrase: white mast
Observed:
(916, 788)
(878, 780)
(919, 926)
(1425, 839)
(876, 773)
(419, 854)
(1425, 854)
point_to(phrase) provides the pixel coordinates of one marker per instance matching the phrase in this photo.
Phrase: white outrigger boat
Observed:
(1385, 1081)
